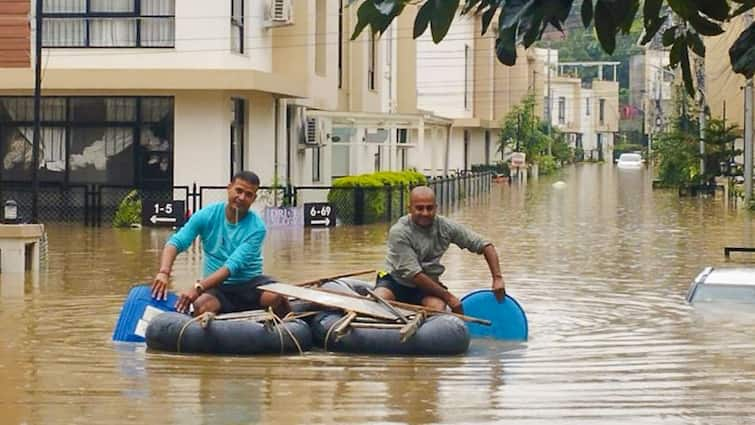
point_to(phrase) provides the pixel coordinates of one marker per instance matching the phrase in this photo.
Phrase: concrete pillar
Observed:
(14, 239)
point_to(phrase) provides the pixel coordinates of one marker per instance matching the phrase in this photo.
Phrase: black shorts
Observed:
(402, 293)
(240, 296)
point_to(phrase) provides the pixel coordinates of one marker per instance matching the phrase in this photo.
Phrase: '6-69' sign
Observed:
(170, 214)
(319, 214)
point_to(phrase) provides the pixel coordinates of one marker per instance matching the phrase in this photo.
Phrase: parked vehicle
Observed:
(630, 161)
(728, 285)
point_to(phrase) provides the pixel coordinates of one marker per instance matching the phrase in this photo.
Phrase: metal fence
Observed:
(96, 204)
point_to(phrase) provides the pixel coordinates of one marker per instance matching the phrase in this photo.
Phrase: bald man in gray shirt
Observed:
(415, 245)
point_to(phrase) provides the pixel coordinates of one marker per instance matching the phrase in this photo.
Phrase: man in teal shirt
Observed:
(232, 237)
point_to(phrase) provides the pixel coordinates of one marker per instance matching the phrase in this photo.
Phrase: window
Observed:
(340, 43)
(90, 140)
(238, 106)
(466, 149)
(321, 30)
(237, 26)
(401, 139)
(561, 110)
(587, 106)
(372, 61)
(602, 110)
(108, 23)
(467, 78)
(316, 164)
(487, 147)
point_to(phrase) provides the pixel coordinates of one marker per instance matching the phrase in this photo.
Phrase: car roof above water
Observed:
(733, 284)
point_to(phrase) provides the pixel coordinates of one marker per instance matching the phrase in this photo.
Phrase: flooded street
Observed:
(601, 266)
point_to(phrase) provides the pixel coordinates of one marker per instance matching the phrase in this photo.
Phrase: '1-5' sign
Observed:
(171, 214)
(319, 214)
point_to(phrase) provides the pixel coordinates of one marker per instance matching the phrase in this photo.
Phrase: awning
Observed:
(382, 120)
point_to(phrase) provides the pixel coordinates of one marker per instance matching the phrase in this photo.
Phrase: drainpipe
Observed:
(288, 142)
(276, 135)
(36, 139)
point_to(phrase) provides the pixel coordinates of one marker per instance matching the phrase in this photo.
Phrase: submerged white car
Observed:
(630, 161)
(727, 285)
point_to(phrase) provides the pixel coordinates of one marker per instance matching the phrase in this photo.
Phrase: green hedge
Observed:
(499, 168)
(373, 186)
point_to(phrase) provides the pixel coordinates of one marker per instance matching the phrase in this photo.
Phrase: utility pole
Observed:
(700, 71)
(37, 109)
(748, 131)
(550, 101)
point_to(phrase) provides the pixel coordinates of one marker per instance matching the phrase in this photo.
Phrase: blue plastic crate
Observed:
(138, 309)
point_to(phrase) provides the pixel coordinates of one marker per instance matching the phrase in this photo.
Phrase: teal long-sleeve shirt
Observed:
(236, 246)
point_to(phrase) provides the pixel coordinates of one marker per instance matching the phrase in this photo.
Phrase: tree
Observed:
(522, 22)
(522, 131)
(719, 146)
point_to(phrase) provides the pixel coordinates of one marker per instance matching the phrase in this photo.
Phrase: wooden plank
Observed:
(15, 45)
(15, 64)
(345, 302)
(15, 8)
(385, 304)
(411, 328)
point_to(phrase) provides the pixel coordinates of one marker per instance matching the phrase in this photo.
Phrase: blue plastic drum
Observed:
(508, 317)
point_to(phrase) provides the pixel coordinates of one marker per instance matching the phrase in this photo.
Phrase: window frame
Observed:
(316, 164)
(561, 109)
(70, 124)
(237, 27)
(88, 16)
(467, 78)
(238, 127)
(372, 62)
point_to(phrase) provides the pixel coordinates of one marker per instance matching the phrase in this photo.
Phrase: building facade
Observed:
(586, 110)
(156, 94)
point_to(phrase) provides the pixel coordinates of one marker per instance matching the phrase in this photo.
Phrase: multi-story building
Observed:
(148, 93)
(723, 88)
(651, 88)
(162, 93)
(587, 111)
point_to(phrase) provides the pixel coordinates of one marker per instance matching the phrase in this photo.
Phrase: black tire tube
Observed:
(438, 335)
(225, 336)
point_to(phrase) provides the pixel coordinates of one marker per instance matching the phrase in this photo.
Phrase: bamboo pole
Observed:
(333, 277)
(414, 307)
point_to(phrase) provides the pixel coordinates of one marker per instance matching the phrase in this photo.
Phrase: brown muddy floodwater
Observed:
(601, 267)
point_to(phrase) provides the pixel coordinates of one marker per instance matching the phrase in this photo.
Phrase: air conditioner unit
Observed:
(279, 13)
(314, 132)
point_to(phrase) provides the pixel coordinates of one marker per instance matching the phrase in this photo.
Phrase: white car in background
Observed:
(629, 161)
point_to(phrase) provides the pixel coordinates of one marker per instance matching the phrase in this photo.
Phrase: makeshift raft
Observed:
(253, 332)
(373, 326)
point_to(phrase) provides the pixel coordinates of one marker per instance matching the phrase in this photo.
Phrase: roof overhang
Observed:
(154, 79)
(476, 123)
(381, 120)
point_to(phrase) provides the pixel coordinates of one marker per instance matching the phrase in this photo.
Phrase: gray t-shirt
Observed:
(413, 249)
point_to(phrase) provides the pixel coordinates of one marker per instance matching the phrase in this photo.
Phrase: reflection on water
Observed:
(601, 266)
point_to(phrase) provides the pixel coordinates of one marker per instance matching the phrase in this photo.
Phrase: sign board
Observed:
(283, 217)
(518, 159)
(319, 214)
(170, 214)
